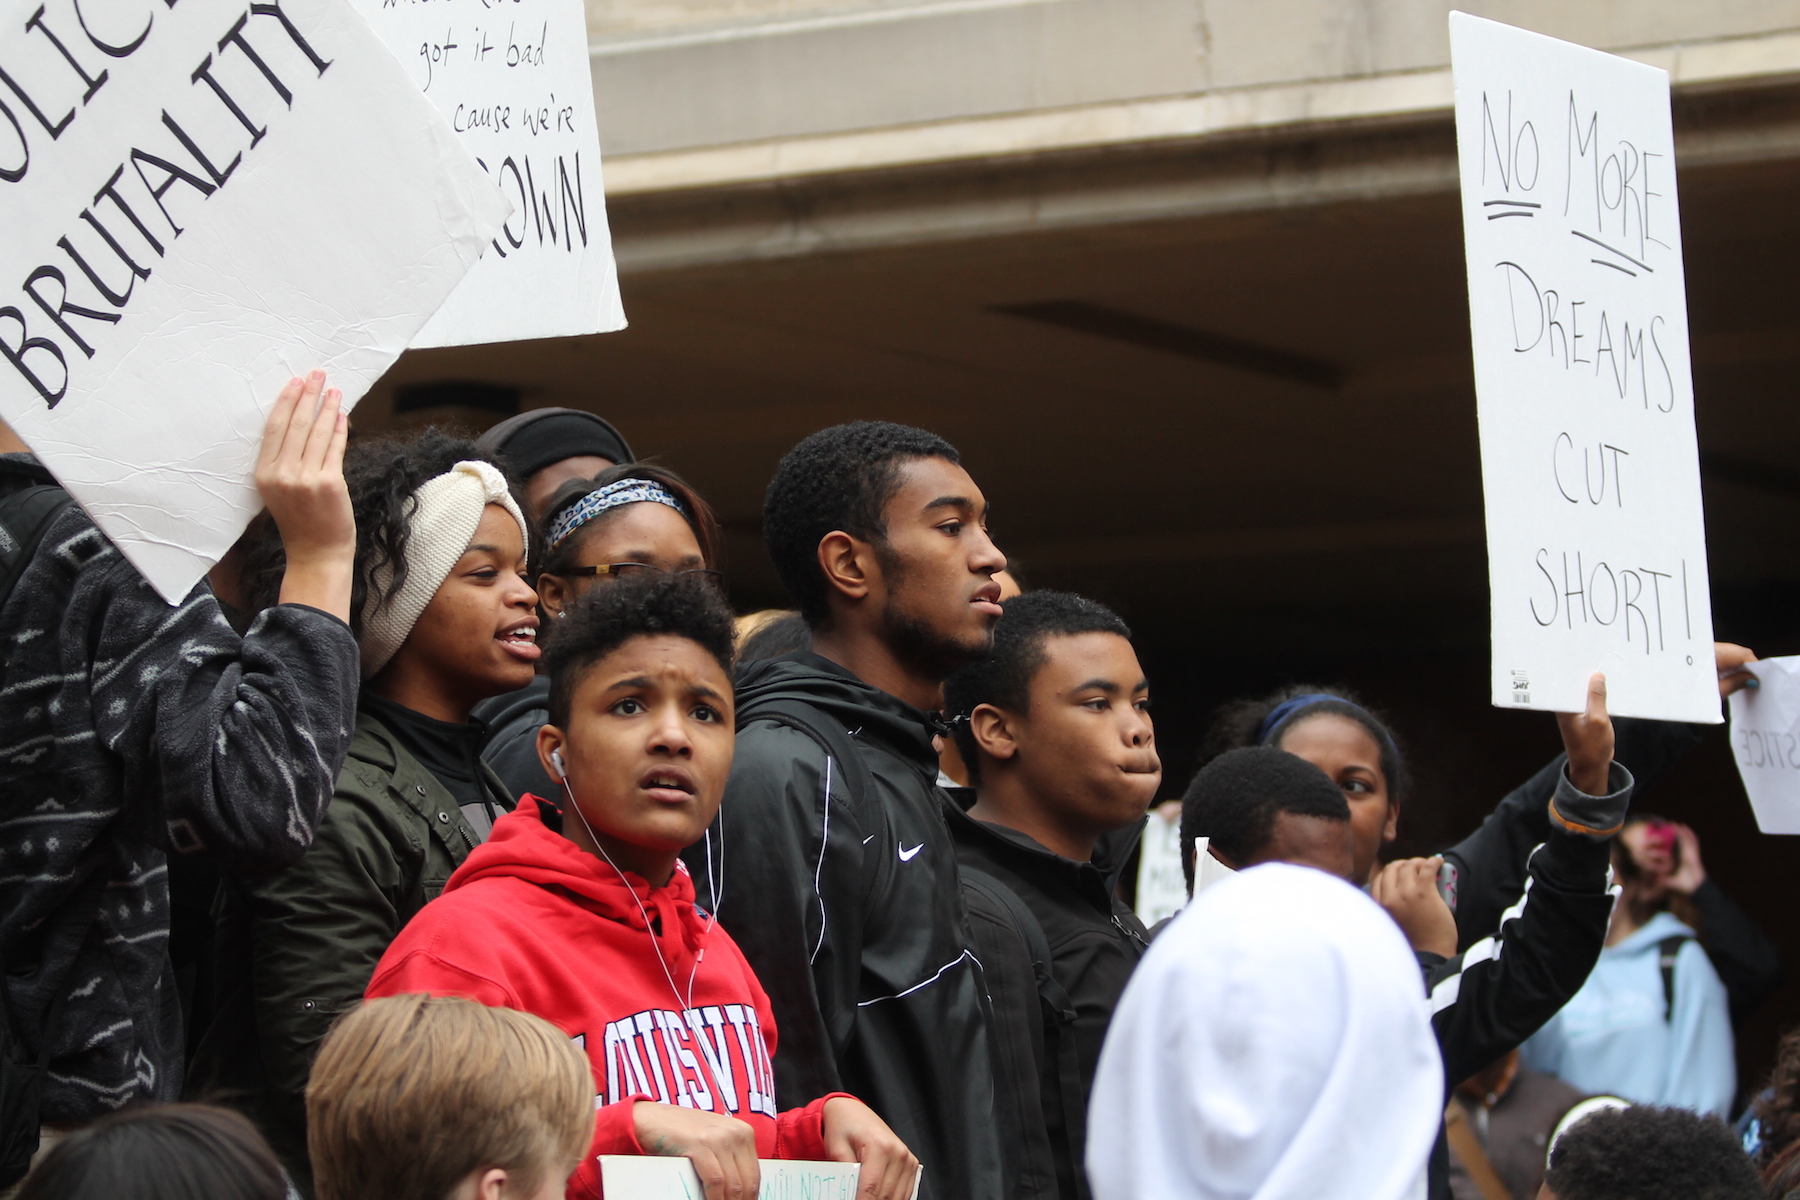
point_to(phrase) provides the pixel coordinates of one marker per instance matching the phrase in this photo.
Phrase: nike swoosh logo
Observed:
(907, 855)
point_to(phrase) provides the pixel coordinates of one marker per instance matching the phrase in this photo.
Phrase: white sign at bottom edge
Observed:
(638, 1177)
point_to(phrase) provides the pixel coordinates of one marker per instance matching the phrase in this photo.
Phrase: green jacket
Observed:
(297, 950)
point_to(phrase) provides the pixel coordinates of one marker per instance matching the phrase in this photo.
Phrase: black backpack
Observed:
(1058, 1008)
(30, 499)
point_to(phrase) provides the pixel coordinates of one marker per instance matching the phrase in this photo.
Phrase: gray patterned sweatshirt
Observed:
(130, 730)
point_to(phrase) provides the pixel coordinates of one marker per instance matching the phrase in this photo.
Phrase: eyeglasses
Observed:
(625, 570)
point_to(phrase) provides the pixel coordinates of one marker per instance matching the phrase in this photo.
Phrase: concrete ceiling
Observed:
(1131, 459)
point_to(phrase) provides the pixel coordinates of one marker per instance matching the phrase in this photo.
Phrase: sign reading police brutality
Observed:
(202, 199)
(514, 79)
(1596, 540)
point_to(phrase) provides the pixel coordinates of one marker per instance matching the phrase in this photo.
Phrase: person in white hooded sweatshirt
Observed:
(1274, 1044)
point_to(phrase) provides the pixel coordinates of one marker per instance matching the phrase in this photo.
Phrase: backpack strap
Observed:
(1667, 951)
(29, 501)
(1059, 1011)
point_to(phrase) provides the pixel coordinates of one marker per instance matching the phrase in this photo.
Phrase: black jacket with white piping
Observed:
(836, 875)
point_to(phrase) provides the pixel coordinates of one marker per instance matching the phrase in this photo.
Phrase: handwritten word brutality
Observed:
(1596, 546)
(135, 209)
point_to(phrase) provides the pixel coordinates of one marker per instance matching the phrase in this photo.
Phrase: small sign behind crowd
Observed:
(201, 200)
(1578, 312)
(514, 80)
(1765, 740)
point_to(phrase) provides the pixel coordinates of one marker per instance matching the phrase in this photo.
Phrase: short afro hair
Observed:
(1649, 1153)
(839, 478)
(1234, 800)
(606, 618)
(1003, 678)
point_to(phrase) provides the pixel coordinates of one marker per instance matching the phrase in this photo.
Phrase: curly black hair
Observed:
(1003, 678)
(636, 606)
(1234, 800)
(382, 475)
(699, 513)
(1236, 724)
(1777, 1109)
(839, 478)
(1647, 1152)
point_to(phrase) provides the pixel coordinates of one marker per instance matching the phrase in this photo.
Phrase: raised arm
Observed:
(240, 740)
(1488, 866)
(1504, 986)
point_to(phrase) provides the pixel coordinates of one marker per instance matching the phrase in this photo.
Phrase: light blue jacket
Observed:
(1612, 1036)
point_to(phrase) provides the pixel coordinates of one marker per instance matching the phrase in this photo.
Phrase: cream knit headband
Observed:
(446, 511)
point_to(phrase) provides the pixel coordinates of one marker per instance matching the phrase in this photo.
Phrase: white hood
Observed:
(1273, 1044)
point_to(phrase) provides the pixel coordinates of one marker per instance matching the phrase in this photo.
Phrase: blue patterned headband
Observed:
(613, 495)
(1288, 708)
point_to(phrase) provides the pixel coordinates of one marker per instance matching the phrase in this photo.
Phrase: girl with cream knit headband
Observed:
(445, 617)
(637, 518)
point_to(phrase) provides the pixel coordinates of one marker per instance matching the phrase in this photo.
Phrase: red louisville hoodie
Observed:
(532, 922)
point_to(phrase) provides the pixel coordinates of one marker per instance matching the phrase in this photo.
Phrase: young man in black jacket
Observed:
(1054, 727)
(830, 863)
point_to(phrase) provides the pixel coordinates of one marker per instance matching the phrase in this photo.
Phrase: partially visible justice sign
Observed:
(1578, 312)
(1765, 740)
(200, 200)
(514, 79)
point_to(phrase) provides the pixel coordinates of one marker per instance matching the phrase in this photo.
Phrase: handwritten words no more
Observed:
(1611, 197)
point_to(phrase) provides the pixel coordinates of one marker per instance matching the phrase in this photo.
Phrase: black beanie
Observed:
(534, 440)
(1235, 797)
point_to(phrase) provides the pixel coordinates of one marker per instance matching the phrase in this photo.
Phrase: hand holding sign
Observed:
(722, 1149)
(300, 476)
(1733, 663)
(853, 1133)
(1588, 737)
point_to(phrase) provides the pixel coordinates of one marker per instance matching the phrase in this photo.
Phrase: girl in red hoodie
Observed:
(582, 913)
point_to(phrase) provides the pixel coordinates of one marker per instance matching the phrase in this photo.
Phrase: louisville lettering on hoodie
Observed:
(532, 922)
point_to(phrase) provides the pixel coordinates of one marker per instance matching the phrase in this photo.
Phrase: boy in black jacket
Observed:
(1055, 730)
(835, 873)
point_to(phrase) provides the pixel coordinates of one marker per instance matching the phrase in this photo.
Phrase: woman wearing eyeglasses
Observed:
(631, 519)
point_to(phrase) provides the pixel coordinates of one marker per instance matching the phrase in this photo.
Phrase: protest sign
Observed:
(629, 1177)
(1765, 740)
(1578, 312)
(200, 201)
(513, 78)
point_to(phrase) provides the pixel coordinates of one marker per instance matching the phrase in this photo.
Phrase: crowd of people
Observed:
(454, 834)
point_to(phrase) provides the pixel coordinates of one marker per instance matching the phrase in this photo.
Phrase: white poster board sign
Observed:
(629, 1177)
(1578, 311)
(1765, 740)
(202, 200)
(514, 79)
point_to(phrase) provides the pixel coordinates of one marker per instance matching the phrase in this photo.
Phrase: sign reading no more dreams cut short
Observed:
(1578, 313)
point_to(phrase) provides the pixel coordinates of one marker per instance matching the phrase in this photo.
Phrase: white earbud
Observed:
(556, 761)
